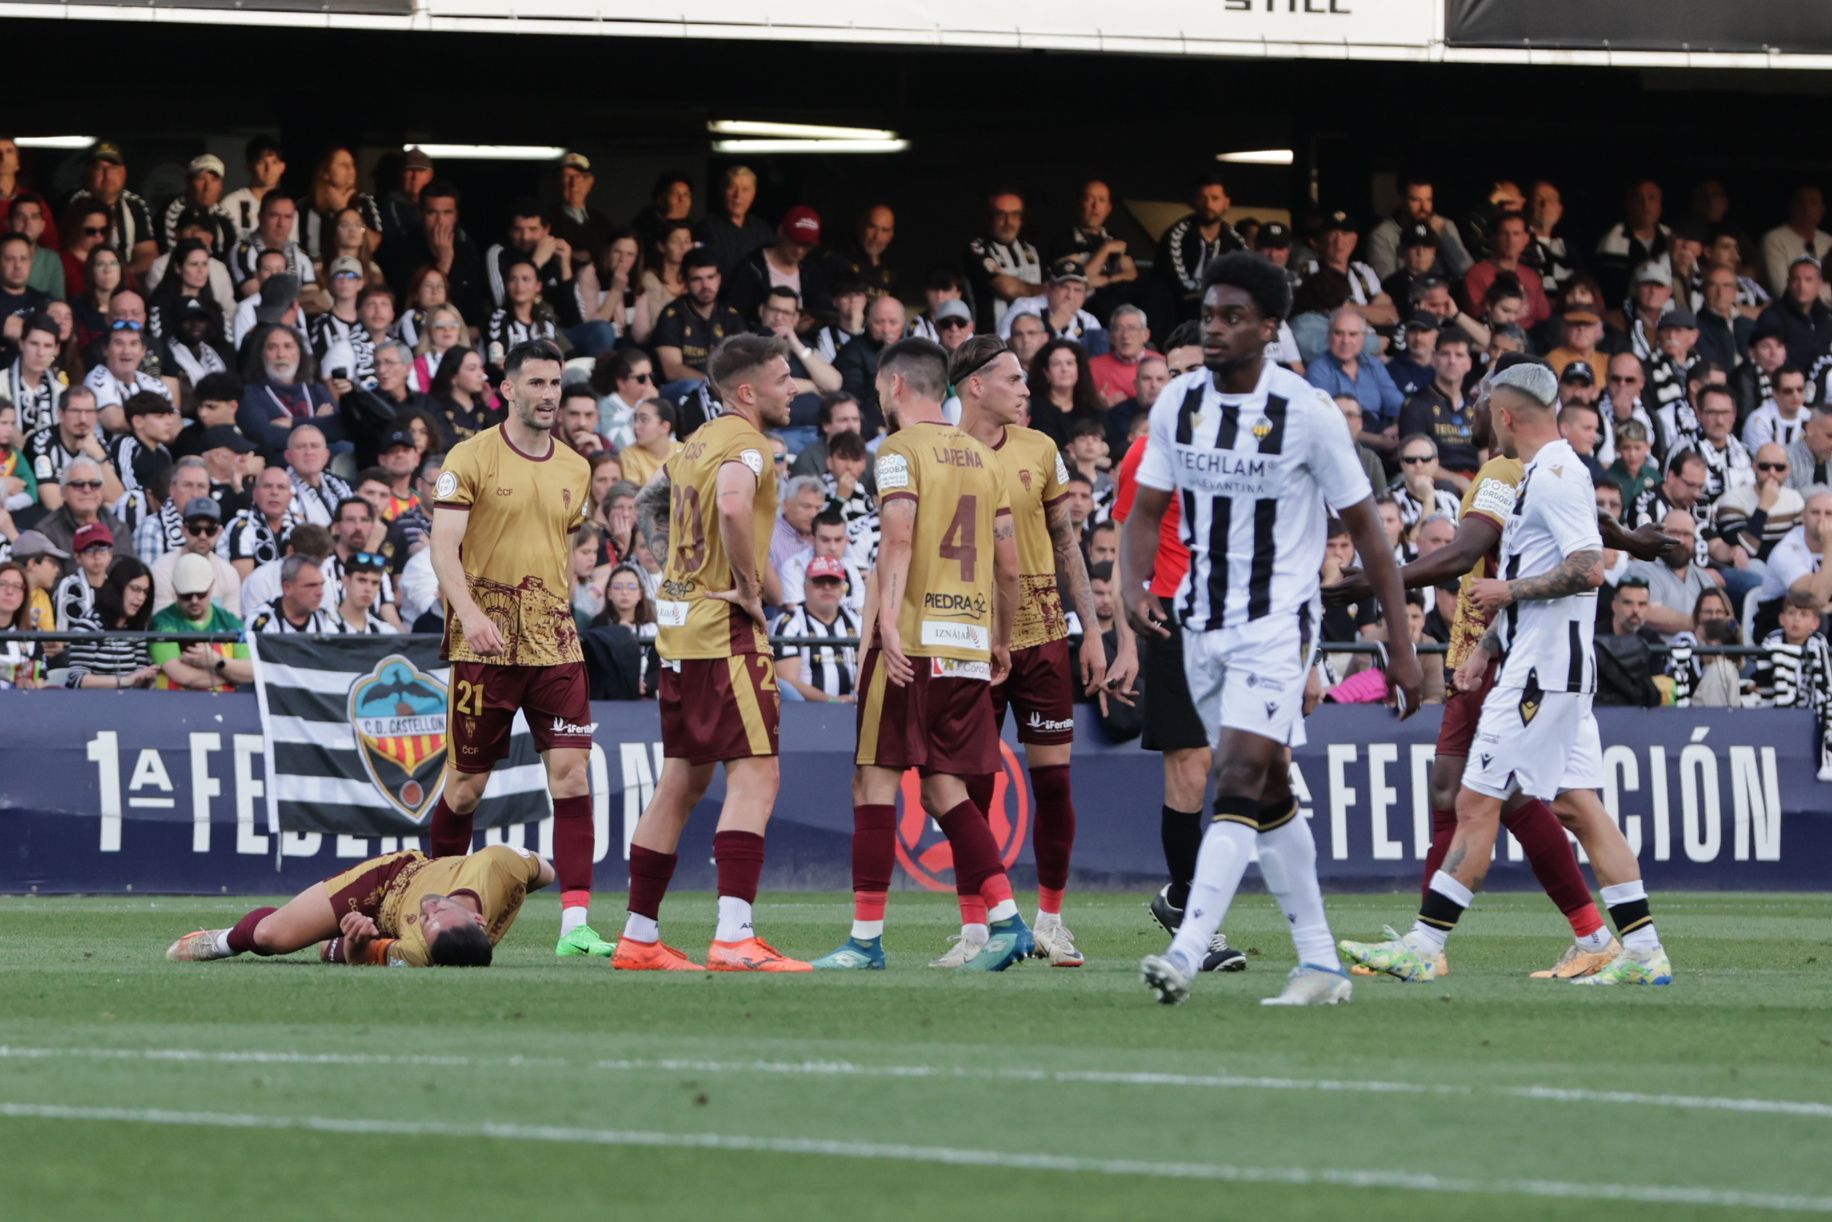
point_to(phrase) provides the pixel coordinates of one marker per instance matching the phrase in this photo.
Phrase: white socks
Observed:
(641, 928)
(219, 938)
(1288, 863)
(865, 931)
(572, 918)
(1596, 940)
(1004, 910)
(975, 935)
(1221, 864)
(734, 920)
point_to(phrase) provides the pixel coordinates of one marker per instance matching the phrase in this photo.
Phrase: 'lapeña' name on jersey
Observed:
(956, 458)
(1225, 473)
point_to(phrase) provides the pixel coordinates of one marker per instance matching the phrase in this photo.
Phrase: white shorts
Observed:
(1251, 677)
(1540, 750)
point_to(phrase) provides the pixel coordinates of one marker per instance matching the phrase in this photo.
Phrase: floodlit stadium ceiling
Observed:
(1753, 34)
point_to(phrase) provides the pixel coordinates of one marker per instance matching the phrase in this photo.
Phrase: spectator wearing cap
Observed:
(276, 300)
(1116, 371)
(1633, 470)
(1509, 241)
(1273, 243)
(1439, 412)
(1418, 205)
(1060, 308)
(400, 462)
(1546, 251)
(1411, 368)
(1755, 518)
(203, 197)
(1723, 329)
(1753, 381)
(866, 259)
(828, 673)
(401, 206)
(692, 325)
(45, 565)
(130, 221)
(275, 227)
(152, 422)
(1639, 238)
(226, 454)
(75, 595)
(1345, 368)
(574, 220)
(1670, 365)
(203, 537)
(1338, 240)
(733, 231)
(193, 342)
(942, 286)
(1583, 334)
(1799, 235)
(1783, 418)
(196, 604)
(266, 167)
(788, 261)
(1000, 265)
(1640, 315)
(440, 241)
(1800, 314)
(1418, 258)
(1578, 384)
(552, 258)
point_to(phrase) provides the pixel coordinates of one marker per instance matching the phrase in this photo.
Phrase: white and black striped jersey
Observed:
(1079, 328)
(244, 261)
(74, 598)
(223, 225)
(373, 625)
(1411, 510)
(333, 584)
(159, 533)
(1257, 477)
(272, 618)
(130, 221)
(249, 537)
(318, 505)
(36, 407)
(504, 331)
(834, 669)
(1364, 284)
(45, 451)
(1767, 424)
(107, 656)
(1652, 506)
(243, 207)
(988, 257)
(862, 536)
(1726, 469)
(1795, 676)
(1549, 641)
(112, 393)
(128, 455)
(316, 231)
(1185, 253)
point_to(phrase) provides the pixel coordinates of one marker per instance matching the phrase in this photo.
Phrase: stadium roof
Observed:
(1774, 34)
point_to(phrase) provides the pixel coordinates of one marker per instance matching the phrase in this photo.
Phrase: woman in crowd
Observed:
(663, 282)
(421, 427)
(522, 317)
(623, 378)
(428, 288)
(444, 331)
(463, 403)
(1706, 680)
(617, 514)
(351, 238)
(333, 190)
(587, 593)
(627, 605)
(187, 278)
(1062, 390)
(18, 659)
(123, 604)
(617, 283)
(606, 472)
(102, 276)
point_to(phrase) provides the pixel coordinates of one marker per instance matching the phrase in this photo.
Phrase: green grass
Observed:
(580, 1063)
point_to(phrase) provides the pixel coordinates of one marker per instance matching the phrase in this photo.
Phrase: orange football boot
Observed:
(656, 956)
(751, 955)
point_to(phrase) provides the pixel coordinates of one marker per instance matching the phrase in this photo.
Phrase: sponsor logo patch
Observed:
(447, 487)
(753, 460)
(893, 472)
(954, 668)
(1062, 469)
(563, 726)
(1038, 721)
(961, 636)
(398, 712)
(670, 614)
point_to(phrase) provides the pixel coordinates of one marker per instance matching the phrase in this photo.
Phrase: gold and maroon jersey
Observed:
(955, 481)
(1035, 479)
(692, 624)
(1490, 495)
(388, 890)
(517, 550)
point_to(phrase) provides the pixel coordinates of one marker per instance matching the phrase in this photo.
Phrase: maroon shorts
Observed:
(1041, 691)
(1462, 710)
(718, 709)
(940, 721)
(484, 699)
(364, 886)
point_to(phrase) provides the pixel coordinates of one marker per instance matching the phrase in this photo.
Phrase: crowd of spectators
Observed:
(226, 411)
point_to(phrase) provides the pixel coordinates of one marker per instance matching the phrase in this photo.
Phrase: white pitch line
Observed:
(1295, 1177)
(852, 1069)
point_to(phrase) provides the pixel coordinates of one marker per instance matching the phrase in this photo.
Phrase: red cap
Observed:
(90, 535)
(826, 566)
(802, 224)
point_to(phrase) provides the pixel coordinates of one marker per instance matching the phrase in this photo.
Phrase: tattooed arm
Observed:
(652, 509)
(1072, 574)
(1572, 575)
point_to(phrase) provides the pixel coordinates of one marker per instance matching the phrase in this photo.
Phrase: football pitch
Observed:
(541, 1088)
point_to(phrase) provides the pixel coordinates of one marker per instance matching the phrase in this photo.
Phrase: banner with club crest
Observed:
(356, 743)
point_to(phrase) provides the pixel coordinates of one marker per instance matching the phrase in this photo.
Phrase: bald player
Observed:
(942, 601)
(399, 910)
(719, 699)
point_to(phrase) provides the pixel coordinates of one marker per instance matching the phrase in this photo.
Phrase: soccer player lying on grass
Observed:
(399, 910)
